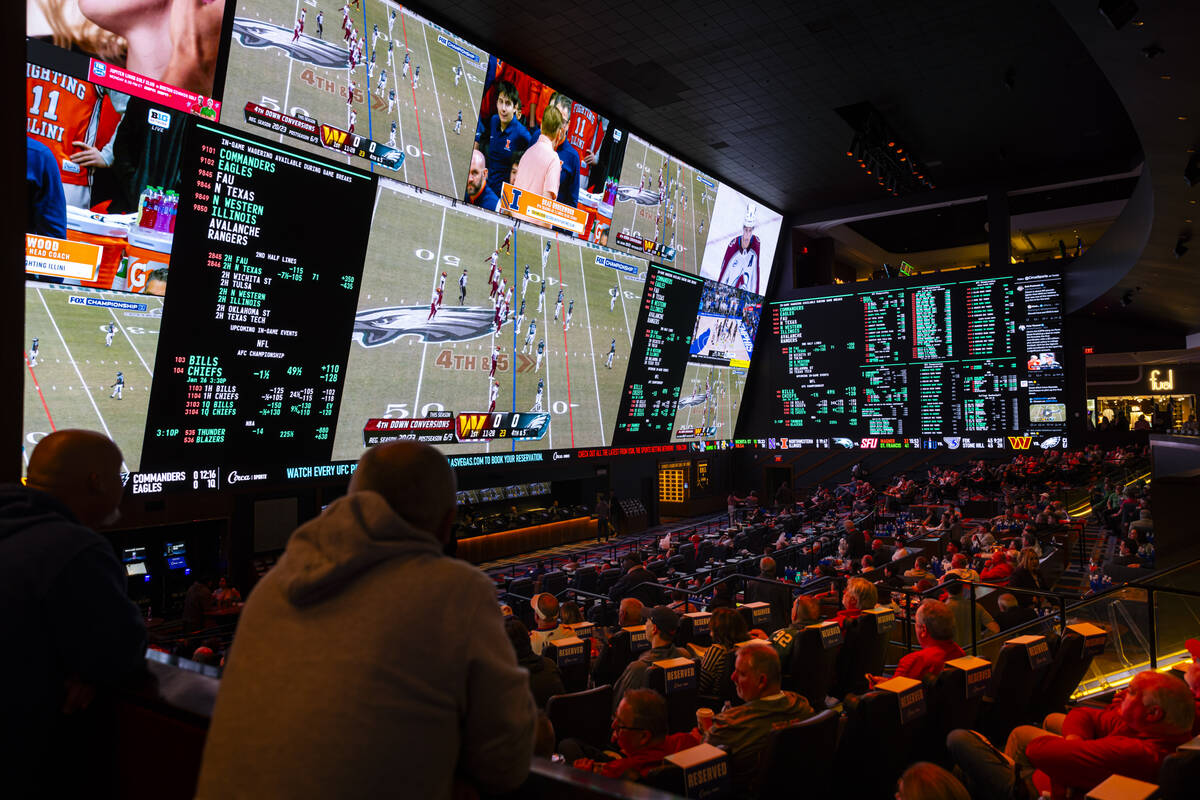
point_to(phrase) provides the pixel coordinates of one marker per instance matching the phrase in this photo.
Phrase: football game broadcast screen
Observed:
(930, 362)
(258, 287)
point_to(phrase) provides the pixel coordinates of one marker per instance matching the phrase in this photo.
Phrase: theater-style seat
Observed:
(1179, 775)
(657, 568)
(607, 579)
(862, 652)
(574, 676)
(586, 716)
(681, 703)
(1006, 704)
(586, 580)
(1071, 662)
(518, 595)
(949, 709)
(554, 582)
(811, 670)
(613, 659)
(799, 757)
(871, 754)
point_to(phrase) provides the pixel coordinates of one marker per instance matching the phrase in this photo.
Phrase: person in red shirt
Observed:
(935, 633)
(998, 569)
(1155, 716)
(860, 595)
(640, 733)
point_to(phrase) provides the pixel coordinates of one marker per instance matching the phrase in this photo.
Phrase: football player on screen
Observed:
(528, 346)
(118, 388)
(109, 332)
(458, 123)
(541, 351)
(542, 296)
(613, 294)
(462, 287)
(739, 266)
(33, 352)
(612, 351)
(493, 393)
(391, 142)
(537, 399)
(570, 311)
(545, 256)
(506, 245)
(558, 305)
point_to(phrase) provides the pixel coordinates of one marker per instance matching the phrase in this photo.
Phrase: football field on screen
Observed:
(404, 363)
(690, 221)
(71, 384)
(310, 77)
(709, 396)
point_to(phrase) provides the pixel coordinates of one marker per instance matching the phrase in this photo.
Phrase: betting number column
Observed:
(260, 308)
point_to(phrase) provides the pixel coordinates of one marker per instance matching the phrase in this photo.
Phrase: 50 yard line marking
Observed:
(425, 345)
(87, 390)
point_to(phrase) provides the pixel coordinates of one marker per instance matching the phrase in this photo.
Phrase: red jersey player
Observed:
(434, 302)
(506, 246)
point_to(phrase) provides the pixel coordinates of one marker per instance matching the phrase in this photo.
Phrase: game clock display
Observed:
(974, 362)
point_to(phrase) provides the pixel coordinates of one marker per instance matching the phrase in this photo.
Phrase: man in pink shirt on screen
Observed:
(539, 169)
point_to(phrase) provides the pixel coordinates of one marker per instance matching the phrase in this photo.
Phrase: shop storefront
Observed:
(1159, 397)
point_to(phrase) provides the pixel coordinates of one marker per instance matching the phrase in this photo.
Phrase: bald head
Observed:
(414, 479)
(82, 469)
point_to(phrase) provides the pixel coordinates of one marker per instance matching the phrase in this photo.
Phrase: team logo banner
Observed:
(526, 205)
(1020, 442)
(61, 258)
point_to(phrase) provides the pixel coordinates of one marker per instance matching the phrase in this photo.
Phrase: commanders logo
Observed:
(259, 35)
(1020, 442)
(379, 326)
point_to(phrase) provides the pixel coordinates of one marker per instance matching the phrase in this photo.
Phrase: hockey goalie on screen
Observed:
(739, 266)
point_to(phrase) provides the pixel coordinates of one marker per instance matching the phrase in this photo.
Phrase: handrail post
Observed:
(974, 625)
(1151, 627)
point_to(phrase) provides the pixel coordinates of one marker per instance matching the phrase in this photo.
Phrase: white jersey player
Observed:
(391, 22)
(416, 74)
(109, 332)
(118, 388)
(458, 123)
(612, 351)
(542, 296)
(541, 351)
(558, 305)
(391, 100)
(405, 65)
(613, 294)
(391, 56)
(458, 73)
(33, 352)
(525, 280)
(493, 394)
(391, 142)
(739, 266)
(570, 311)
(545, 256)
(537, 399)
(351, 118)
(521, 315)
(496, 351)
(462, 287)
(493, 259)
(382, 81)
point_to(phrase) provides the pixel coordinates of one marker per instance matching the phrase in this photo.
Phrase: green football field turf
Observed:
(71, 385)
(436, 157)
(640, 219)
(726, 387)
(415, 237)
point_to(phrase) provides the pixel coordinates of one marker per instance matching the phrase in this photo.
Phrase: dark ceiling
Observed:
(748, 91)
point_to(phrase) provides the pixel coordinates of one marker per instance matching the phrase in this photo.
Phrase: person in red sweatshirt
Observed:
(935, 633)
(640, 733)
(1155, 716)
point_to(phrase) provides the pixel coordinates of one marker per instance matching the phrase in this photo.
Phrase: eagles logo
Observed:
(643, 197)
(379, 326)
(319, 53)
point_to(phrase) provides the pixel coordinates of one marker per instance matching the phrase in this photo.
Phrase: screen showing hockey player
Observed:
(386, 89)
(481, 337)
(741, 240)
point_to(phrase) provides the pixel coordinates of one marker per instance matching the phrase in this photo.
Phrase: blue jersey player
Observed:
(118, 387)
(505, 136)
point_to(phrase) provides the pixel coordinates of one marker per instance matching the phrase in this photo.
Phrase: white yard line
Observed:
(624, 311)
(441, 119)
(84, 383)
(416, 411)
(592, 346)
(131, 344)
(287, 87)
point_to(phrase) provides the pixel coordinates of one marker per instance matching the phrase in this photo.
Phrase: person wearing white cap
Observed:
(545, 612)
(739, 266)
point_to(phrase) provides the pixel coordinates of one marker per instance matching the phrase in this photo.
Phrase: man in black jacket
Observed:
(68, 624)
(777, 595)
(629, 584)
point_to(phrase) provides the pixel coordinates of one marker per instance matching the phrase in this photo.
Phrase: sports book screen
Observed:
(955, 363)
(260, 299)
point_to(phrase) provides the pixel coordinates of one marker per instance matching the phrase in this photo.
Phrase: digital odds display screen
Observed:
(954, 362)
(252, 269)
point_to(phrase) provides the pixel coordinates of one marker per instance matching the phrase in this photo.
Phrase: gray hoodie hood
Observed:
(354, 533)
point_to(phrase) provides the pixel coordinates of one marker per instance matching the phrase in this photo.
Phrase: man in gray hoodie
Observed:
(367, 663)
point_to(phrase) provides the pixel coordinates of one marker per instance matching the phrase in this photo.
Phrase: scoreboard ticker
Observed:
(966, 363)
